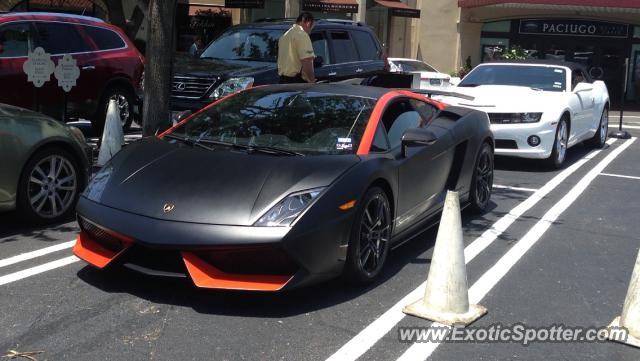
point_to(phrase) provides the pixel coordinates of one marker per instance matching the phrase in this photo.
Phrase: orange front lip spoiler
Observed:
(93, 253)
(205, 275)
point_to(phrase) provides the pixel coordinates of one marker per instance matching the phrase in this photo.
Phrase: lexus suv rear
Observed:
(246, 55)
(110, 65)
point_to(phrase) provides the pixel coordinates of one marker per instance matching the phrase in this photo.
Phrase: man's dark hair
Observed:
(305, 16)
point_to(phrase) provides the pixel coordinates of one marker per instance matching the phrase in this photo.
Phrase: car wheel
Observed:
(370, 235)
(482, 180)
(124, 100)
(559, 151)
(600, 138)
(49, 186)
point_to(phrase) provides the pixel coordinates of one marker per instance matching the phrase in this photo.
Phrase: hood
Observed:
(503, 98)
(185, 64)
(214, 187)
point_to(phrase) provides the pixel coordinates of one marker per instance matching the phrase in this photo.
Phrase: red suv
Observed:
(110, 65)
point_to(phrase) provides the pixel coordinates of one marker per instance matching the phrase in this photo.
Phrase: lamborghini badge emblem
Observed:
(168, 207)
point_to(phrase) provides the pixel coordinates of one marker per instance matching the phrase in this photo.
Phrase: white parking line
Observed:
(16, 276)
(38, 253)
(620, 176)
(422, 351)
(368, 337)
(521, 189)
(624, 126)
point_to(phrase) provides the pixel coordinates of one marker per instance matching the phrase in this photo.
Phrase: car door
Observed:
(326, 69)
(16, 40)
(423, 171)
(369, 52)
(58, 39)
(345, 56)
(583, 102)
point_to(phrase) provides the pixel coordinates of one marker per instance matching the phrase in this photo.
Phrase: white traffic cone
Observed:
(630, 318)
(112, 136)
(446, 297)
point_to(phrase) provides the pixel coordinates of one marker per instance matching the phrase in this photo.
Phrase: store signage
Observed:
(573, 28)
(405, 13)
(244, 4)
(67, 72)
(329, 6)
(38, 67)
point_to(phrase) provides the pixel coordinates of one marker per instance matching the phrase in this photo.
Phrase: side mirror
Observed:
(318, 61)
(417, 137)
(582, 87)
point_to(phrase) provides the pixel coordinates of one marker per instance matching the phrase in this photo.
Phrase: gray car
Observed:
(43, 165)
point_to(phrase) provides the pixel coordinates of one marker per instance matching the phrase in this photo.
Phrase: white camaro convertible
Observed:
(538, 109)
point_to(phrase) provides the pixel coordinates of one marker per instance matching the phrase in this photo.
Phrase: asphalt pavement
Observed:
(556, 247)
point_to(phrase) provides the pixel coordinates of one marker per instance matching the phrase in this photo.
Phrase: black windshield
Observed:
(305, 122)
(538, 77)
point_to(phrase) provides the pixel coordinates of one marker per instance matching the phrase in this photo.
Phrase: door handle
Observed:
(88, 67)
(333, 73)
(359, 70)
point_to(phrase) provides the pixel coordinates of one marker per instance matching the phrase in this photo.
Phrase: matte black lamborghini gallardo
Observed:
(284, 185)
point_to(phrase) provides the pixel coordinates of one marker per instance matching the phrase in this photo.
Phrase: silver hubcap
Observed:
(604, 126)
(123, 107)
(561, 141)
(52, 186)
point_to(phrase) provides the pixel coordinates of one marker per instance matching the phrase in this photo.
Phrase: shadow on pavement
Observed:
(13, 228)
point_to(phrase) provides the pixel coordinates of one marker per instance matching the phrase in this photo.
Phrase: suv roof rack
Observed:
(66, 15)
(288, 20)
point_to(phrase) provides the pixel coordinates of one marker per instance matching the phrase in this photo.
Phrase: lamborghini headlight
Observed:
(513, 118)
(288, 209)
(231, 86)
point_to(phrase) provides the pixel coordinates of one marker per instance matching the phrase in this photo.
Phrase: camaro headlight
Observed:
(512, 118)
(231, 86)
(288, 209)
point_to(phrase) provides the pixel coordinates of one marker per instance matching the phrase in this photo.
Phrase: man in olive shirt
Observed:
(295, 52)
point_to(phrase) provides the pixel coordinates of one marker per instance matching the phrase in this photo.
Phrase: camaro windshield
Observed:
(537, 77)
(304, 122)
(245, 44)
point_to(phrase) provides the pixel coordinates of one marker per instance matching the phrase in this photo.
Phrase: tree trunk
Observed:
(158, 64)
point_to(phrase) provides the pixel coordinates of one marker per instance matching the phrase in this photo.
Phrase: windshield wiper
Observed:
(470, 85)
(187, 141)
(211, 57)
(248, 59)
(254, 148)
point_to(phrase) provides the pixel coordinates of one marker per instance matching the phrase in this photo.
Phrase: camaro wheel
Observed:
(600, 137)
(124, 101)
(370, 235)
(482, 180)
(49, 185)
(559, 145)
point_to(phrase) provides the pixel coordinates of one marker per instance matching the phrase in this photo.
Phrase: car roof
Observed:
(568, 64)
(51, 16)
(333, 88)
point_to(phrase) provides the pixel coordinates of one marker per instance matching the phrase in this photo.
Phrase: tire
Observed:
(482, 180)
(125, 102)
(46, 195)
(600, 138)
(370, 233)
(559, 151)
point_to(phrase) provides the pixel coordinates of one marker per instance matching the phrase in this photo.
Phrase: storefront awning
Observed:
(244, 4)
(331, 6)
(629, 4)
(398, 8)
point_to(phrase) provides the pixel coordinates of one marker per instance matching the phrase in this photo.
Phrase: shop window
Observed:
(636, 32)
(493, 48)
(14, 40)
(343, 47)
(497, 27)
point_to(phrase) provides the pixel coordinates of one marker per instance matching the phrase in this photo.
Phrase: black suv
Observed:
(246, 55)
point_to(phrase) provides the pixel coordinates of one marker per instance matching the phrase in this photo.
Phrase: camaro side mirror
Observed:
(582, 87)
(417, 137)
(318, 61)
